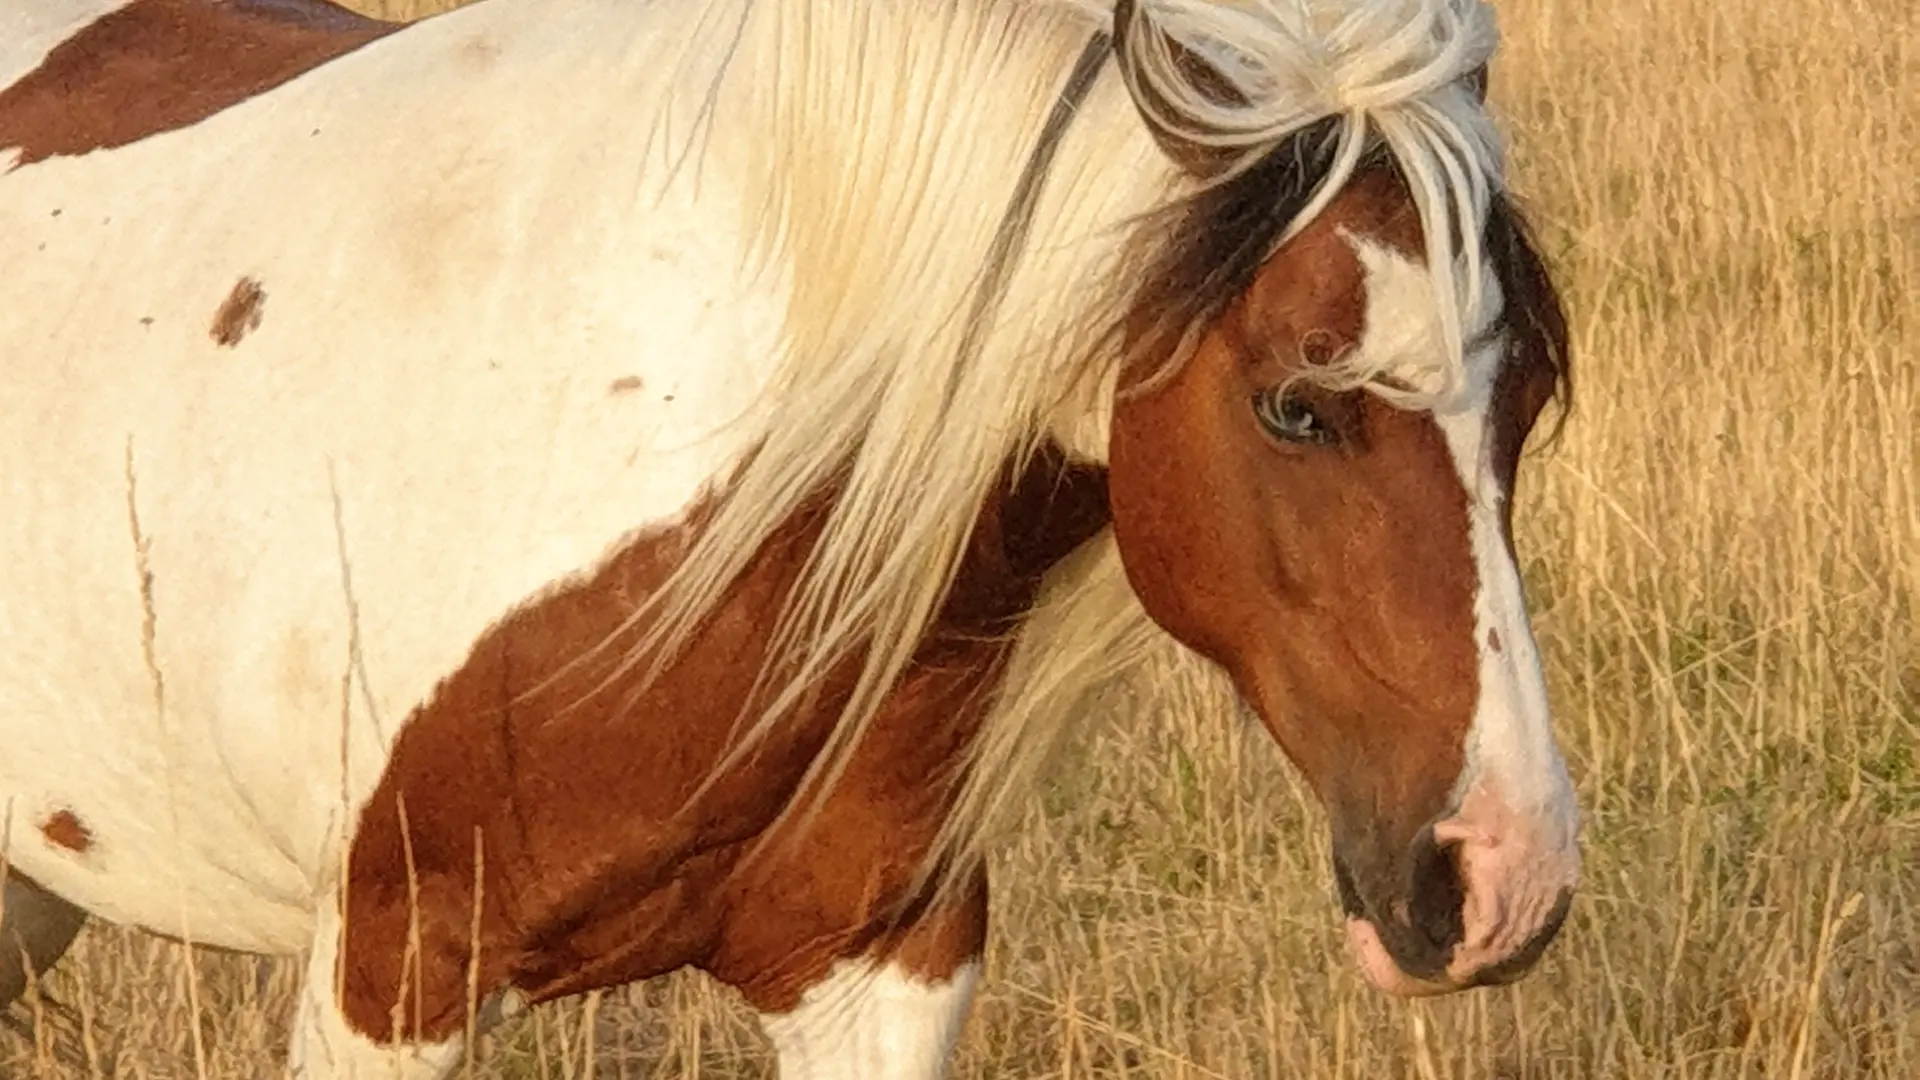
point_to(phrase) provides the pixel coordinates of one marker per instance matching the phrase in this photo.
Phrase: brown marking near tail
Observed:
(625, 384)
(160, 65)
(240, 313)
(599, 864)
(63, 828)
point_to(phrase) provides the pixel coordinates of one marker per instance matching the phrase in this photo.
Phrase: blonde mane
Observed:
(886, 140)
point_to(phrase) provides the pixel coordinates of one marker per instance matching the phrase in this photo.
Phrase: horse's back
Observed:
(154, 65)
(30, 29)
(302, 397)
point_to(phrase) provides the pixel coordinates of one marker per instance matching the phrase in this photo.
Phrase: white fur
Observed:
(1511, 754)
(420, 435)
(876, 1022)
(324, 1046)
(1511, 751)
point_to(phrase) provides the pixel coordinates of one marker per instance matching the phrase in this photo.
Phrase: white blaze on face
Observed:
(1516, 820)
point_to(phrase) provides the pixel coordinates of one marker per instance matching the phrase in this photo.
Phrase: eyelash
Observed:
(1288, 416)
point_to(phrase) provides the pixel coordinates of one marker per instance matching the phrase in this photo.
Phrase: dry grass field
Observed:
(1724, 556)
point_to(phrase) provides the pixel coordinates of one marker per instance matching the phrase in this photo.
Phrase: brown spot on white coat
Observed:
(480, 53)
(240, 313)
(64, 829)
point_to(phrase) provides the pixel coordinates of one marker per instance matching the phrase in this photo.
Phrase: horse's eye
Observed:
(1288, 416)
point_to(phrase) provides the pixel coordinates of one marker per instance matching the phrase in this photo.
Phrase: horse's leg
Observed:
(325, 1046)
(35, 929)
(889, 1011)
(875, 1019)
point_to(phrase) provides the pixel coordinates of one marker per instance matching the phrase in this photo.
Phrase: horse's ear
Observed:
(1477, 82)
(1197, 159)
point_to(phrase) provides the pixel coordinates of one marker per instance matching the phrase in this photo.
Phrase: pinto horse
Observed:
(551, 494)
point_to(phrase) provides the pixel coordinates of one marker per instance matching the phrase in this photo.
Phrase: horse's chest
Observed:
(591, 818)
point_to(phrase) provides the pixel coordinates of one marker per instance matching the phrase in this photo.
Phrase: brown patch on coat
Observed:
(600, 861)
(63, 828)
(240, 313)
(625, 384)
(160, 65)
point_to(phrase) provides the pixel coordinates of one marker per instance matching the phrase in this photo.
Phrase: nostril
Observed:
(1439, 898)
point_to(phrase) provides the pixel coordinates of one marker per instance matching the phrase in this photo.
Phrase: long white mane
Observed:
(886, 141)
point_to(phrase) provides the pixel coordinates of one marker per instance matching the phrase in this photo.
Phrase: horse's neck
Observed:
(890, 161)
(875, 148)
(1048, 507)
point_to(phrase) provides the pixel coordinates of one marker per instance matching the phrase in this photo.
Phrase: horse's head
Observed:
(1345, 553)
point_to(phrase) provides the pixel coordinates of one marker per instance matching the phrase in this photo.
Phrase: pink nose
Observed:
(1515, 877)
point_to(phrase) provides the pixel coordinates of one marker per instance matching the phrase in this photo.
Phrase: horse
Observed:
(543, 496)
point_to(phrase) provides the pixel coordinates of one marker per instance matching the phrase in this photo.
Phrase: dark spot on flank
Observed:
(480, 53)
(63, 828)
(240, 313)
(625, 384)
(1493, 640)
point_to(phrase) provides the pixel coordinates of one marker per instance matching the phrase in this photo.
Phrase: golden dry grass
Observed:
(1724, 553)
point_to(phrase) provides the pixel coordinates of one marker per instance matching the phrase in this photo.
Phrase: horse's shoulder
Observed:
(157, 65)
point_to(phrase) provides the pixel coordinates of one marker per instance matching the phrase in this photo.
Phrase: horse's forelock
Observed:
(1274, 105)
(1203, 252)
(1211, 246)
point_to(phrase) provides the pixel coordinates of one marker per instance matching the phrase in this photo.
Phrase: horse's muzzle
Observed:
(1474, 902)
